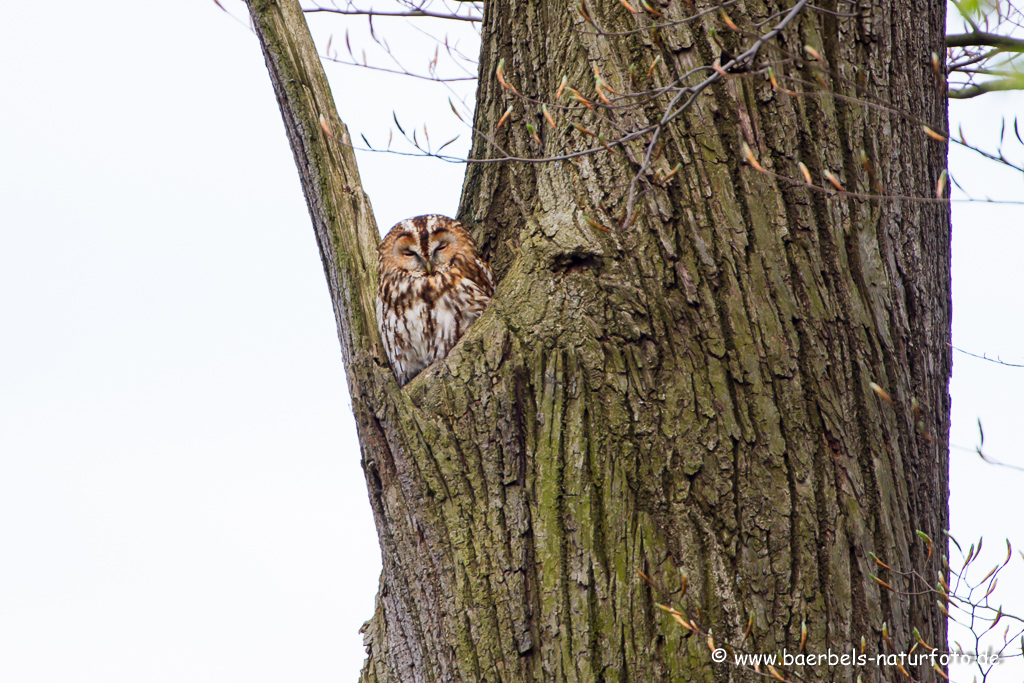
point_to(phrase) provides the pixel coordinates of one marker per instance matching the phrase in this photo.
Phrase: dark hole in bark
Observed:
(574, 264)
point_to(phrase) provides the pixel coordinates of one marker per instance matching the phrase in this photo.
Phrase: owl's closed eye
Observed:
(433, 285)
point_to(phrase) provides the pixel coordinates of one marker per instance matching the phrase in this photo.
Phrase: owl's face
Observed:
(424, 252)
(426, 246)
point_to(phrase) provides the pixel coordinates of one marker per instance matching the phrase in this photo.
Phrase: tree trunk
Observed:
(691, 392)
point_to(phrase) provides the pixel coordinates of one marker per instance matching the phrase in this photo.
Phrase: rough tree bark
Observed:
(690, 392)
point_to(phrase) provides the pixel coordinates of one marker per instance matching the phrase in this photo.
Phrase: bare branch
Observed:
(400, 72)
(978, 38)
(411, 13)
(969, 91)
(974, 59)
(985, 357)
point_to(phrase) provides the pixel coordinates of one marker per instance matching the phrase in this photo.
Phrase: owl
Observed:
(433, 285)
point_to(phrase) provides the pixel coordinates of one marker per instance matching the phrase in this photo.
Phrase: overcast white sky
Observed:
(180, 490)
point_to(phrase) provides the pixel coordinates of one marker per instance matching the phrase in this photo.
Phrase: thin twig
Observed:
(985, 357)
(410, 14)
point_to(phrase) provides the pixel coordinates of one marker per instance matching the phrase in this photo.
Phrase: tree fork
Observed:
(693, 392)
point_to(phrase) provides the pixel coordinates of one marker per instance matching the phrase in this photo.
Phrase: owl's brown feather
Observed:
(433, 285)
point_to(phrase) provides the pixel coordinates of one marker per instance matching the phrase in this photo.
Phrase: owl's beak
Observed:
(429, 267)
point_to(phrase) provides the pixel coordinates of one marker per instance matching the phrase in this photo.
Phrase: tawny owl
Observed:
(433, 285)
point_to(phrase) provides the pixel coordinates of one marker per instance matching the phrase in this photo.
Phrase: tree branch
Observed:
(967, 92)
(411, 13)
(435, 79)
(342, 218)
(976, 38)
